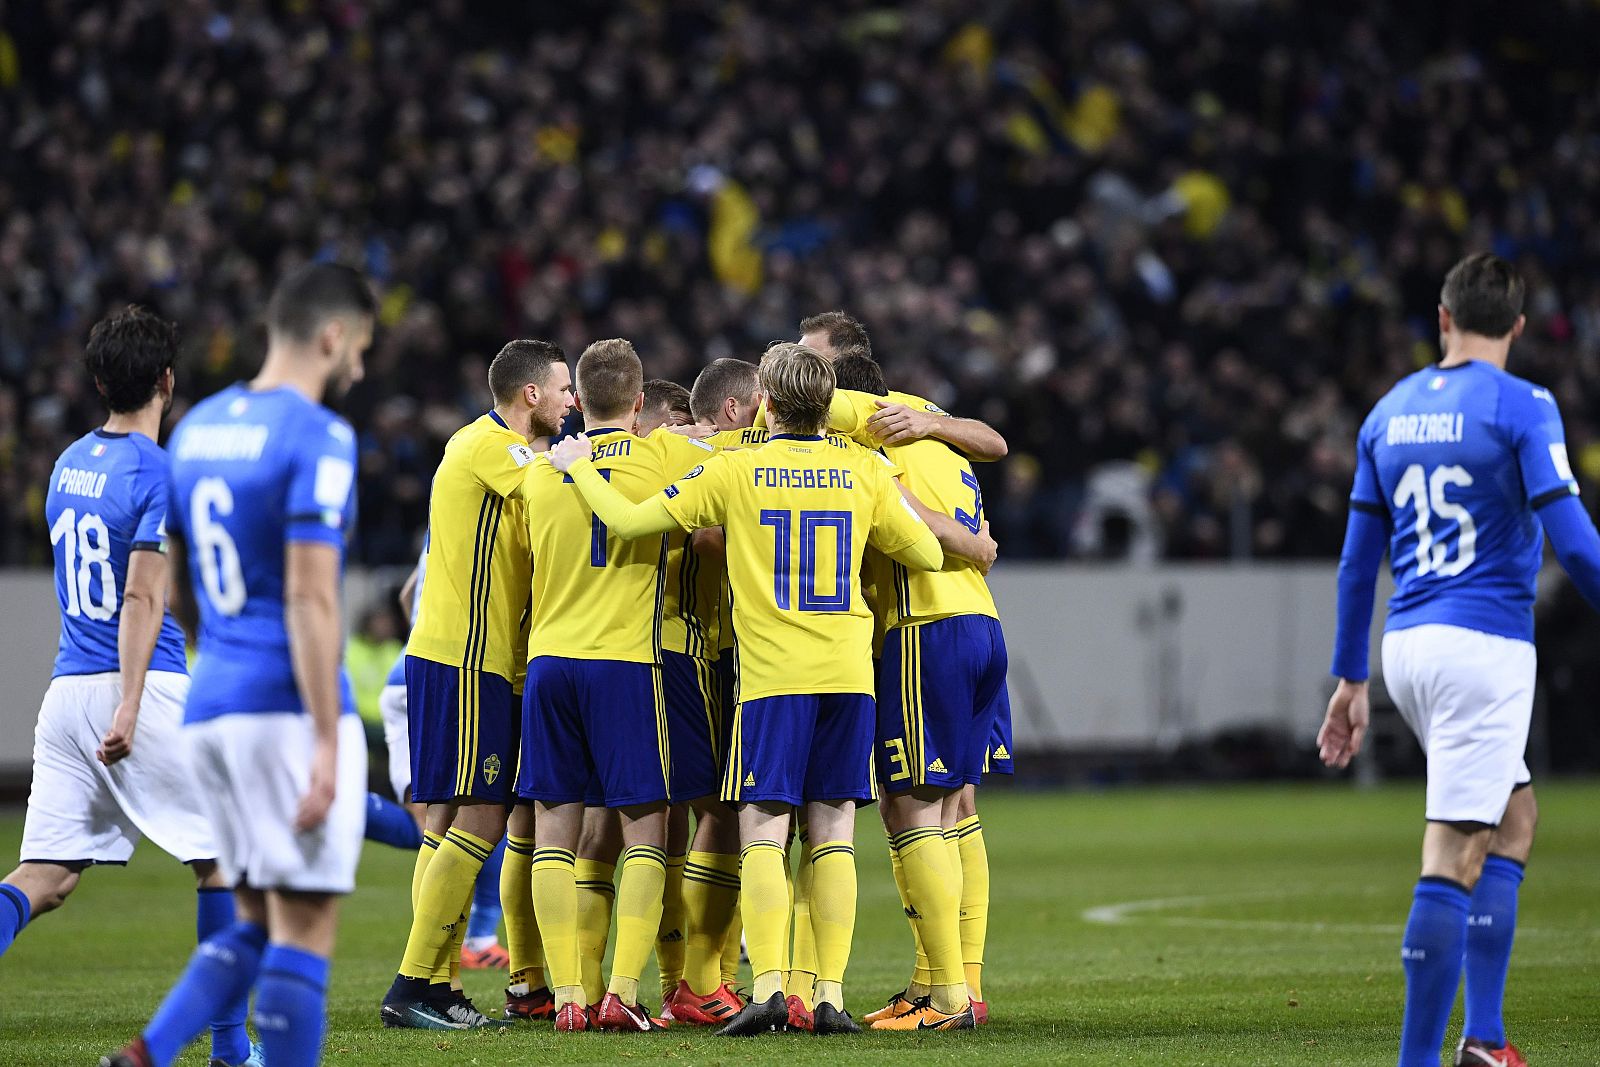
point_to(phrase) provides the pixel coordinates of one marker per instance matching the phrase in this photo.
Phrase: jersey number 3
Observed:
(1426, 492)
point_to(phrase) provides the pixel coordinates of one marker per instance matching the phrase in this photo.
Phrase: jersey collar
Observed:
(598, 430)
(495, 415)
(101, 432)
(795, 437)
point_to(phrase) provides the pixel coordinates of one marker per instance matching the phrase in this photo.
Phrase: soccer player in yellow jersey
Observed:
(941, 687)
(798, 515)
(593, 710)
(464, 659)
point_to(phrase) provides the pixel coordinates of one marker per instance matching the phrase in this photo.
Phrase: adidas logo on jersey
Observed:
(937, 766)
(1001, 753)
(750, 779)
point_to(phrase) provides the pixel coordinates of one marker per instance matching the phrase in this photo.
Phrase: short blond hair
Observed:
(799, 383)
(610, 378)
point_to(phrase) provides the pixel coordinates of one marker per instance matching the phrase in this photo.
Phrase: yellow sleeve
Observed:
(848, 413)
(898, 532)
(680, 453)
(622, 516)
(700, 498)
(499, 464)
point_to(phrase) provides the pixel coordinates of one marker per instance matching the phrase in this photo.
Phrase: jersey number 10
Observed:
(1427, 494)
(812, 526)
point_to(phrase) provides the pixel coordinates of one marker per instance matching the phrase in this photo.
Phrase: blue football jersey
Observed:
(1460, 458)
(252, 472)
(107, 498)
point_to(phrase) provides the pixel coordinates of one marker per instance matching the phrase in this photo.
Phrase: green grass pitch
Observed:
(1227, 926)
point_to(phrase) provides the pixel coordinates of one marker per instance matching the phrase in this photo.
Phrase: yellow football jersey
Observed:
(746, 437)
(473, 611)
(597, 596)
(798, 516)
(941, 478)
(691, 619)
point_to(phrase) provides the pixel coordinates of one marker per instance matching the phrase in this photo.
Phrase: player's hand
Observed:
(1345, 725)
(319, 797)
(117, 744)
(568, 451)
(697, 430)
(896, 424)
(989, 546)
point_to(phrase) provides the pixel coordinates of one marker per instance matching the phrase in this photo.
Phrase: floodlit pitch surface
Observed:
(1227, 926)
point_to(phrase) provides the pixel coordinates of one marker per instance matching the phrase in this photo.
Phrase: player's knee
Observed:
(48, 886)
(967, 802)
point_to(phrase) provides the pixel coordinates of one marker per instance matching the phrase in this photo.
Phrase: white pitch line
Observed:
(1131, 911)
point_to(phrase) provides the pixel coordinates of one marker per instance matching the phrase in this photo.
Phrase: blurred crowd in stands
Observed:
(1173, 249)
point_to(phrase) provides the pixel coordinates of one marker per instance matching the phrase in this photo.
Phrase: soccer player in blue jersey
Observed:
(261, 500)
(1460, 472)
(108, 764)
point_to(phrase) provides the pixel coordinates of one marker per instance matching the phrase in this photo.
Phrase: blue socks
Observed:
(230, 1042)
(389, 823)
(291, 1006)
(1435, 940)
(1490, 928)
(15, 911)
(485, 918)
(219, 975)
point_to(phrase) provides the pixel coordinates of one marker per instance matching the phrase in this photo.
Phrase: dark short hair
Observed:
(128, 354)
(661, 393)
(305, 300)
(1483, 294)
(610, 377)
(520, 363)
(721, 379)
(846, 336)
(860, 373)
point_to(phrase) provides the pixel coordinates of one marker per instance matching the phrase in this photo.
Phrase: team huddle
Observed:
(649, 659)
(652, 659)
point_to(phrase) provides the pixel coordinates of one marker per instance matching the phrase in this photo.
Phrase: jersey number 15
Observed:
(1426, 492)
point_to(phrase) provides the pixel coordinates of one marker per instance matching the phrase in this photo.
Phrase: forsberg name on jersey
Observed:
(804, 478)
(224, 442)
(1441, 428)
(81, 482)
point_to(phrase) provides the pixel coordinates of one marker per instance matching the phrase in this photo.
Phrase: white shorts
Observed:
(83, 811)
(1468, 696)
(397, 737)
(253, 769)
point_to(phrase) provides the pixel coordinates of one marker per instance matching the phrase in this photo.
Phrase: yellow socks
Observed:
(596, 892)
(710, 899)
(974, 900)
(448, 969)
(671, 938)
(931, 891)
(644, 874)
(443, 893)
(522, 927)
(921, 975)
(731, 950)
(555, 887)
(802, 981)
(764, 904)
(833, 915)
(425, 854)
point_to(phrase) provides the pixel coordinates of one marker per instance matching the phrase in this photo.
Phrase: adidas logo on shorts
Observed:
(937, 767)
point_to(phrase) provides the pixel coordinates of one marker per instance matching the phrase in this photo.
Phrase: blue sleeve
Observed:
(1365, 537)
(1533, 423)
(322, 477)
(150, 504)
(1367, 492)
(1576, 543)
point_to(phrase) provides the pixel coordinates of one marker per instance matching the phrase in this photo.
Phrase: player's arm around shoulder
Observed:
(902, 418)
(897, 530)
(622, 516)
